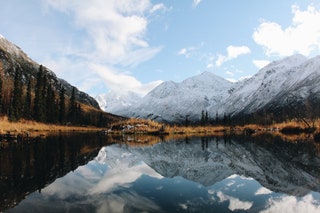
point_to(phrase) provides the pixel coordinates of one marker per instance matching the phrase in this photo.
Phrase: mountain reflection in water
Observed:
(190, 175)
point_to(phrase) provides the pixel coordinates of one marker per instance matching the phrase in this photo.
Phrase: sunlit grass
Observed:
(24, 126)
(143, 126)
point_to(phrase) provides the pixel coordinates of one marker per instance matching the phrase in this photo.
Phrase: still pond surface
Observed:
(92, 173)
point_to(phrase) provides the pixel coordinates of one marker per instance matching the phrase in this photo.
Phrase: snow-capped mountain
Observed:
(296, 78)
(117, 103)
(254, 93)
(172, 101)
(294, 81)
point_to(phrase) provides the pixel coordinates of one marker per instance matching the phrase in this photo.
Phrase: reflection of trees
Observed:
(204, 142)
(31, 165)
(281, 166)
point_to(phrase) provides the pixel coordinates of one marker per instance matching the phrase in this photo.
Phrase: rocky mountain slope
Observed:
(171, 101)
(174, 101)
(288, 86)
(13, 58)
(33, 92)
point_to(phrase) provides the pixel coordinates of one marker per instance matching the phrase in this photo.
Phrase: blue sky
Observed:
(133, 45)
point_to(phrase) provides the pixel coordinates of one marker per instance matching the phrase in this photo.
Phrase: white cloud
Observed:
(196, 3)
(209, 66)
(183, 51)
(118, 81)
(188, 51)
(261, 63)
(158, 7)
(114, 39)
(302, 36)
(232, 53)
(199, 53)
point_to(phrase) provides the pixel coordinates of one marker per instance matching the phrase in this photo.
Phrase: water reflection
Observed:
(31, 165)
(220, 174)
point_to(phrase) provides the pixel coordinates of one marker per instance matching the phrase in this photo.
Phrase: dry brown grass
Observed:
(148, 126)
(142, 126)
(294, 123)
(24, 126)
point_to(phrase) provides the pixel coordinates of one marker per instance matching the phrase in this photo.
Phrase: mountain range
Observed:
(283, 88)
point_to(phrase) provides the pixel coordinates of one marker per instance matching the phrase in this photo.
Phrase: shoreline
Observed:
(28, 128)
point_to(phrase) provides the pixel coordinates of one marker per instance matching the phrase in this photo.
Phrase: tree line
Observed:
(37, 99)
(306, 111)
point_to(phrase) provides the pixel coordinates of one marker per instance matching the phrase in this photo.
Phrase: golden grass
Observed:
(142, 126)
(24, 126)
(149, 126)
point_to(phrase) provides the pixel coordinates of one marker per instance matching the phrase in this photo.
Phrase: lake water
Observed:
(92, 173)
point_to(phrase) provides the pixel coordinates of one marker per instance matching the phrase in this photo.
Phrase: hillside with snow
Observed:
(172, 101)
(254, 93)
(118, 102)
(274, 89)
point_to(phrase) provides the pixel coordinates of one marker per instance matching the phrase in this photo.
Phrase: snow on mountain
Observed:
(269, 88)
(116, 102)
(254, 93)
(13, 49)
(301, 91)
(172, 101)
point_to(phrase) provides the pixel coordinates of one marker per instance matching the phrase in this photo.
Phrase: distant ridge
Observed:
(267, 96)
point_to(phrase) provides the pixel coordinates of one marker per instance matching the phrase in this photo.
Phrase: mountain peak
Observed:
(205, 78)
(287, 62)
(172, 102)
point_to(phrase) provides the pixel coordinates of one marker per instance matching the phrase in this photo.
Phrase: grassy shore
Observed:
(141, 126)
(33, 127)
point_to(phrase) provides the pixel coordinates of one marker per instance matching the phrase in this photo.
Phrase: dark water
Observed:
(91, 173)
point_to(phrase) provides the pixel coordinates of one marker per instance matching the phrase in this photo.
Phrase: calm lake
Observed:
(94, 173)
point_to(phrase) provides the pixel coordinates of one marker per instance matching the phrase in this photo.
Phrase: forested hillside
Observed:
(33, 92)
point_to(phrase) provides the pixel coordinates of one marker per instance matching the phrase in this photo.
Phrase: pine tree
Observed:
(62, 105)
(73, 106)
(224, 119)
(50, 105)
(39, 101)
(101, 120)
(27, 103)
(15, 111)
(217, 118)
(206, 117)
(202, 117)
(187, 121)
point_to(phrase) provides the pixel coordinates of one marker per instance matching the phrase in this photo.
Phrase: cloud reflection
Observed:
(118, 180)
(127, 202)
(234, 203)
(289, 204)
